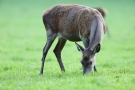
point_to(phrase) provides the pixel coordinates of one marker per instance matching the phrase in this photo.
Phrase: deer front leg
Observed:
(50, 38)
(57, 52)
(95, 68)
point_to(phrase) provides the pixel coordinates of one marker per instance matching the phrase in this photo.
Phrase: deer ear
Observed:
(80, 48)
(96, 49)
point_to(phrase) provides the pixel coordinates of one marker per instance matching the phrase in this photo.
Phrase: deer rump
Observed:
(73, 23)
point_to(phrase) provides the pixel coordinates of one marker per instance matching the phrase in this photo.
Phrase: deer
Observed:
(74, 23)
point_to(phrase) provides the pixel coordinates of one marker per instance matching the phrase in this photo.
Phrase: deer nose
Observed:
(85, 71)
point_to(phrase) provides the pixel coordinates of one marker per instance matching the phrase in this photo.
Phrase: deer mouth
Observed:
(87, 71)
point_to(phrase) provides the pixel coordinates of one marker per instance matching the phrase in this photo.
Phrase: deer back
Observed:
(73, 20)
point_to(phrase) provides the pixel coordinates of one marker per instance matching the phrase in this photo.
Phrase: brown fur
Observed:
(72, 18)
(74, 23)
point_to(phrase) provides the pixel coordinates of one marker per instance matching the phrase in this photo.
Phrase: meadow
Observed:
(23, 36)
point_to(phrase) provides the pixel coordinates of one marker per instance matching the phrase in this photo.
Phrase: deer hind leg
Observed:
(50, 38)
(57, 52)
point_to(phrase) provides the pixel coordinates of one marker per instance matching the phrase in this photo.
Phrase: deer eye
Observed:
(90, 62)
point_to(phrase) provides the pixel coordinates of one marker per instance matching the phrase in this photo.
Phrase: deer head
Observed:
(88, 58)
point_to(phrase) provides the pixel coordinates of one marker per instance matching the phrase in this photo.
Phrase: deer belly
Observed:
(70, 37)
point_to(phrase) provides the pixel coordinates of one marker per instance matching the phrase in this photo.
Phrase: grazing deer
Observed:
(74, 23)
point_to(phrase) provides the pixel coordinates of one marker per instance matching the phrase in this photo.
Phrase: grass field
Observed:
(22, 38)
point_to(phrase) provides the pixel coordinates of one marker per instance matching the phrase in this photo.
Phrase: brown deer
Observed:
(74, 23)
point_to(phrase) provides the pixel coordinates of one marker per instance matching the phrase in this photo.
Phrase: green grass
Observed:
(22, 38)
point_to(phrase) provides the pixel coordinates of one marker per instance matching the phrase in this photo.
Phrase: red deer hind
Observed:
(74, 23)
